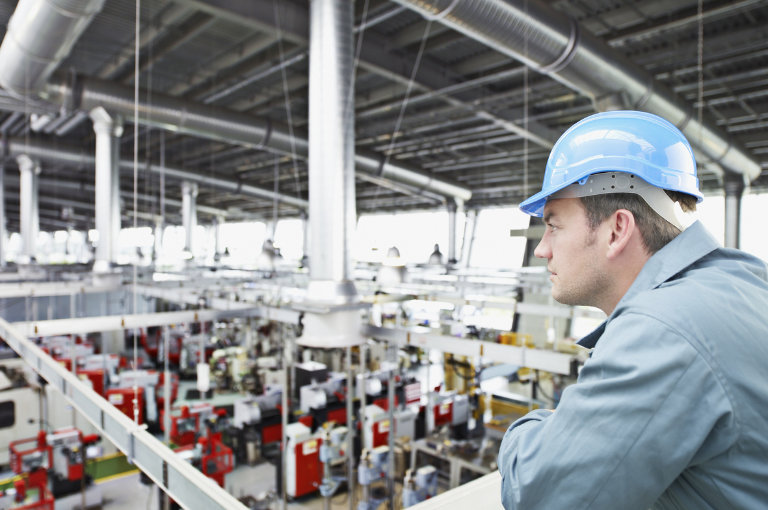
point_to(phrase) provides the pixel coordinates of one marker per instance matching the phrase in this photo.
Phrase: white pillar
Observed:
(734, 189)
(454, 207)
(217, 222)
(158, 240)
(189, 213)
(29, 170)
(108, 129)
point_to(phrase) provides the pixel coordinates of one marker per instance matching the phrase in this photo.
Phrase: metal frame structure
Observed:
(183, 482)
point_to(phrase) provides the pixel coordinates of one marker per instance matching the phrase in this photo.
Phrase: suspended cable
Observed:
(358, 49)
(700, 62)
(404, 104)
(286, 95)
(275, 201)
(135, 198)
(525, 106)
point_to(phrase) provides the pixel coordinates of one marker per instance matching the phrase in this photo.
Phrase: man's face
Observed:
(572, 254)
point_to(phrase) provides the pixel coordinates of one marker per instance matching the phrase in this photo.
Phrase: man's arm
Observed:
(645, 403)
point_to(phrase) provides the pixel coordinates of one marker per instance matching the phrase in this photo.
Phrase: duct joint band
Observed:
(75, 98)
(567, 55)
(267, 135)
(687, 120)
(182, 117)
(646, 96)
(380, 169)
(442, 14)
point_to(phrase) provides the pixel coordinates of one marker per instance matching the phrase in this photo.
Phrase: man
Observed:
(671, 409)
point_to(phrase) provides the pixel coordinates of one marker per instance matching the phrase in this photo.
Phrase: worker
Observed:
(670, 411)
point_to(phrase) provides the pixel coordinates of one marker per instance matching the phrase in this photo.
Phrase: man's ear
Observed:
(621, 226)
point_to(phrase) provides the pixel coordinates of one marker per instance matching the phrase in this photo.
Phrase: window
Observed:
(7, 414)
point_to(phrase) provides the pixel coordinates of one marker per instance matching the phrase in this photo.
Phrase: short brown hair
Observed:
(655, 231)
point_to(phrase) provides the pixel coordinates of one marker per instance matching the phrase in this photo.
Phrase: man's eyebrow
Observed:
(548, 216)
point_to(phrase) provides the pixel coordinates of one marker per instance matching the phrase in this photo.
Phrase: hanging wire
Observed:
(411, 81)
(350, 100)
(404, 104)
(525, 105)
(287, 97)
(275, 201)
(700, 61)
(135, 197)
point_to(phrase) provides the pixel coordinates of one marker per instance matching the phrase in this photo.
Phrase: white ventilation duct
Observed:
(548, 41)
(331, 177)
(40, 35)
(218, 123)
(27, 61)
(55, 153)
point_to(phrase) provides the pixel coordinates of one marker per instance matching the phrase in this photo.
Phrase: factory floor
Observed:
(128, 493)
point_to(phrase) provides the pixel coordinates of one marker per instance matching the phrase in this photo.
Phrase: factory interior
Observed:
(267, 254)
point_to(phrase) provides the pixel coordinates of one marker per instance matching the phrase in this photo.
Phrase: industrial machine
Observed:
(60, 454)
(419, 486)
(256, 430)
(371, 472)
(29, 492)
(332, 450)
(303, 469)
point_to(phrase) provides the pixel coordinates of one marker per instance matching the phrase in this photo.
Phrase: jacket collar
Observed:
(692, 244)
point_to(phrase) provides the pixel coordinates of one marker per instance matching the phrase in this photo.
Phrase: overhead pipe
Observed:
(552, 43)
(331, 141)
(55, 153)
(212, 122)
(28, 60)
(332, 214)
(59, 185)
(40, 35)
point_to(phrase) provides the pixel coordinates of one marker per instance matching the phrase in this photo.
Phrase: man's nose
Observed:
(542, 250)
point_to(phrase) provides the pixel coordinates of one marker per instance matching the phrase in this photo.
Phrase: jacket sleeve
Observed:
(645, 405)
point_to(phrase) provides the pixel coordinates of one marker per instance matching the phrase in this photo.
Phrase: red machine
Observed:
(213, 457)
(186, 423)
(28, 454)
(96, 377)
(443, 412)
(62, 452)
(304, 469)
(69, 445)
(29, 493)
(217, 459)
(33, 457)
(122, 398)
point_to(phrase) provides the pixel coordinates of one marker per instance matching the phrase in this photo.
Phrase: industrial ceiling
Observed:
(453, 99)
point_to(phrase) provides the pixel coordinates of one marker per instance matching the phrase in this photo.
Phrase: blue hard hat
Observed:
(639, 143)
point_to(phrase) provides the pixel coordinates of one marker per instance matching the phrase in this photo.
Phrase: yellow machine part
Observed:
(518, 339)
